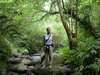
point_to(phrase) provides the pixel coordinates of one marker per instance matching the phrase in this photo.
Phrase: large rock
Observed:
(17, 54)
(14, 60)
(25, 61)
(30, 68)
(38, 54)
(25, 52)
(3, 72)
(53, 71)
(20, 68)
(24, 57)
(35, 60)
(57, 59)
(12, 73)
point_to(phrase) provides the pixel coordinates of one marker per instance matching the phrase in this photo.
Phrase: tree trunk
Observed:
(72, 40)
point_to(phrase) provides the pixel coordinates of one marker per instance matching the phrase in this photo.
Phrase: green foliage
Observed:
(5, 48)
(64, 52)
(23, 23)
(86, 59)
(5, 52)
(19, 25)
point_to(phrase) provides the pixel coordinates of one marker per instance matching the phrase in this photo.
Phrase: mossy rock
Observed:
(56, 59)
(13, 73)
(20, 68)
(51, 71)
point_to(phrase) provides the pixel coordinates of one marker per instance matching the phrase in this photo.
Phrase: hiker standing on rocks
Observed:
(48, 44)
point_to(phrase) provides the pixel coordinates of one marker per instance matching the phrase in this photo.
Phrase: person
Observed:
(48, 45)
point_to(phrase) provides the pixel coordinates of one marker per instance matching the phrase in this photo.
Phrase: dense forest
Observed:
(74, 23)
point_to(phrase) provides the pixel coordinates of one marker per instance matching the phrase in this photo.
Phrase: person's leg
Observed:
(50, 56)
(46, 57)
(44, 61)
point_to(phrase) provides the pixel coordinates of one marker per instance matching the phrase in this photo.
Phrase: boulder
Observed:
(25, 52)
(25, 61)
(36, 58)
(3, 72)
(17, 54)
(38, 54)
(14, 60)
(12, 73)
(20, 68)
(30, 69)
(24, 56)
(32, 74)
(57, 59)
(53, 71)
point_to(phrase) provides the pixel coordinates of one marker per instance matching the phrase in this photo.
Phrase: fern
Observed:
(86, 59)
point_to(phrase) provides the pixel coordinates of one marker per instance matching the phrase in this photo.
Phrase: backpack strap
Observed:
(48, 38)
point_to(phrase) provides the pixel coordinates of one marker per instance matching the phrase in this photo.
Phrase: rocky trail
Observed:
(24, 64)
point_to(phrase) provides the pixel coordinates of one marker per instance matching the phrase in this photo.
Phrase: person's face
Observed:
(48, 30)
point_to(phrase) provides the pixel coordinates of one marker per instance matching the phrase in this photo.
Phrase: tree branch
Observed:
(47, 14)
(87, 25)
(63, 19)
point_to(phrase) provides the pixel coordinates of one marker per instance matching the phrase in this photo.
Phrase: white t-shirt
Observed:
(50, 40)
